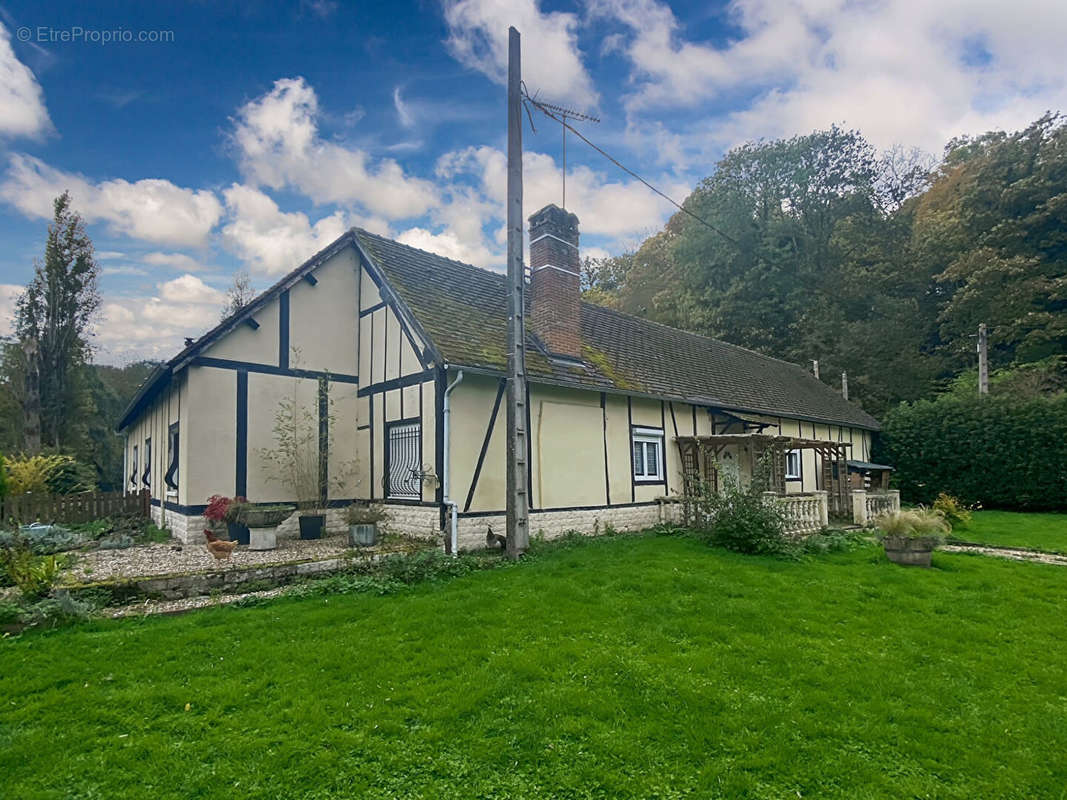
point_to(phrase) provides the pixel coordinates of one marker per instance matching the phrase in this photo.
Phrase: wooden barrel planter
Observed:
(911, 551)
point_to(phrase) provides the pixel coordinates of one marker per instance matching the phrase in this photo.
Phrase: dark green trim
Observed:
(240, 480)
(396, 383)
(270, 369)
(283, 329)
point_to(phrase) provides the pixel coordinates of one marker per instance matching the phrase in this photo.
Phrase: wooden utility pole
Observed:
(844, 384)
(983, 360)
(518, 499)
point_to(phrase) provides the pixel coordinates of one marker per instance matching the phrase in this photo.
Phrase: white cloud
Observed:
(551, 63)
(278, 145)
(176, 261)
(901, 71)
(270, 240)
(9, 293)
(155, 326)
(22, 108)
(190, 289)
(123, 270)
(605, 207)
(450, 245)
(403, 113)
(151, 209)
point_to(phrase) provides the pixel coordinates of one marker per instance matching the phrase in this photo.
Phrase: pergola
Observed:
(701, 454)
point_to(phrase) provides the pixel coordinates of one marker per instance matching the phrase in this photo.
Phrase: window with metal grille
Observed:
(133, 470)
(648, 454)
(403, 460)
(171, 477)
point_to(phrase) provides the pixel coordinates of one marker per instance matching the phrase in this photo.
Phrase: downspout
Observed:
(445, 482)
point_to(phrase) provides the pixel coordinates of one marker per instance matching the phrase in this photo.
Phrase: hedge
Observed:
(1000, 452)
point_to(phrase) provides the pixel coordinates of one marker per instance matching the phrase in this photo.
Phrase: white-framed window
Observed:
(792, 465)
(648, 454)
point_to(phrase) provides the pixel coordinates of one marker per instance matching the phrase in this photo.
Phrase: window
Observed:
(648, 454)
(146, 476)
(171, 478)
(403, 460)
(792, 465)
(133, 469)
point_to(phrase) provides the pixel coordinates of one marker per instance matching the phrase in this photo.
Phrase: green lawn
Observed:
(645, 667)
(1012, 529)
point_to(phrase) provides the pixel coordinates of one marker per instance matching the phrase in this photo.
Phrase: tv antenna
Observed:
(561, 115)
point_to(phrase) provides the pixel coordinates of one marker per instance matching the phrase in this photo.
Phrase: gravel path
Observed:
(166, 559)
(1007, 552)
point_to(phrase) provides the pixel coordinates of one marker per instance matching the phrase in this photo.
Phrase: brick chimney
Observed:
(554, 281)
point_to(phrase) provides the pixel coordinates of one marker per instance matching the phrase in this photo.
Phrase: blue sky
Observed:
(254, 133)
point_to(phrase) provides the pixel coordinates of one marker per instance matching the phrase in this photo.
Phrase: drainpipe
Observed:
(445, 482)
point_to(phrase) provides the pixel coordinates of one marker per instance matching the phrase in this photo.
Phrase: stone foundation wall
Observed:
(419, 522)
(471, 531)
(423, 522)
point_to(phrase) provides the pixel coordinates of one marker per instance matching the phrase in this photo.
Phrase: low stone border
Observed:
(226, 581)
(1008, 552)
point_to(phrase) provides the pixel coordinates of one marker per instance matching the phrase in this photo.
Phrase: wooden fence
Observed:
(71, 508)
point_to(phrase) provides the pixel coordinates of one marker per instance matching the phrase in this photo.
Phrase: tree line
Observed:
(53, 398)
(882, 265)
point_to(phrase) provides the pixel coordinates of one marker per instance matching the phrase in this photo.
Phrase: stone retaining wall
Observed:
(423, 522)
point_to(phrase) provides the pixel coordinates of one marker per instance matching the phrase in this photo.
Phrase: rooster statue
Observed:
(222, 550)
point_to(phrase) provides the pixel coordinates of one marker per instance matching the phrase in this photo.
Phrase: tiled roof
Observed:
(462, 309)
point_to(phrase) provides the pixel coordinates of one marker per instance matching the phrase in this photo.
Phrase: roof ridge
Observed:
(692, 334)
(615, 311)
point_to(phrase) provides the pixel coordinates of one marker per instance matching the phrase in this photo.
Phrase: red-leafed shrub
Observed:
(218, 505)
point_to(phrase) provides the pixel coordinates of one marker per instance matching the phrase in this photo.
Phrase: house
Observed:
(375, 337)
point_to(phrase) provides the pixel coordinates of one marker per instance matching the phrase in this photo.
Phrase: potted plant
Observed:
(263, 522)
(911, 536)
(217, 513)
(363, 522)
(296, 459)
(235, 522)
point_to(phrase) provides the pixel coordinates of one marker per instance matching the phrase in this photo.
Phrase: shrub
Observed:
(49, 474)
(834, 541)
(219, 505)
(33, 575)
(42, 539)
(914, 523)
(362, 514)
(740, 519)
(1001, 452)
(955, 513)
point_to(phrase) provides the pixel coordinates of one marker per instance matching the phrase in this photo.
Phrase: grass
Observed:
(1013, 529)
(645, 667)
